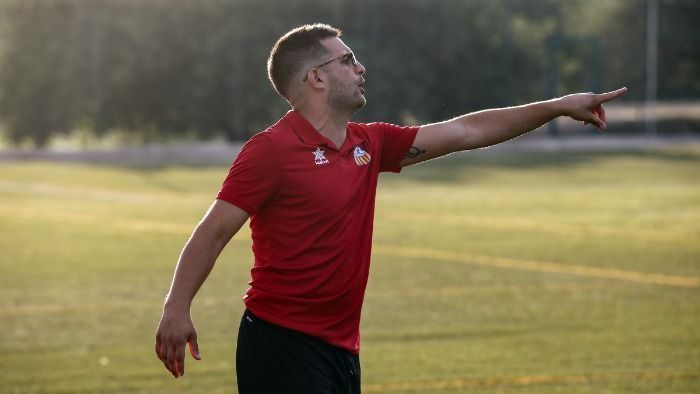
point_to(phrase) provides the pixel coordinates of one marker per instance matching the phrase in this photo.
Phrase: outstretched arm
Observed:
(176, 330)
(492, 126)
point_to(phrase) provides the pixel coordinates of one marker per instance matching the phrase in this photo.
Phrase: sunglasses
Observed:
(347, 58)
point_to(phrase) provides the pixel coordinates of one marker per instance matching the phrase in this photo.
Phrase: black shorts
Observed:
(274, 360)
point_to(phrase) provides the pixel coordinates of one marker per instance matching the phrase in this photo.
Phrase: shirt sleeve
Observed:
(396, 142)
(254, 176)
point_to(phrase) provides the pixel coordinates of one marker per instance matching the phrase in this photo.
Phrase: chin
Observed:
(360, 105)
(349, 103)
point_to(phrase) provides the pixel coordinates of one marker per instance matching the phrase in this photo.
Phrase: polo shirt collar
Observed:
(310, 136)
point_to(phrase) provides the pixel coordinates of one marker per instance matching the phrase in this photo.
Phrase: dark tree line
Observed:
(174, 68)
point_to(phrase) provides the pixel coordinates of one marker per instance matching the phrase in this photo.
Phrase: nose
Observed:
(360, 68)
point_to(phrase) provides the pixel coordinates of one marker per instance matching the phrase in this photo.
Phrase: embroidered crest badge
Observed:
(319, 158)
(361, 157)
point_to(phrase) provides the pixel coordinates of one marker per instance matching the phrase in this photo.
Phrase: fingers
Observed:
(600, 111)
(175, 331)
(588, 107)
(612, 95)
(158, 345)
(173, 354)
(596, 118)
(162, 351)
(179, 360)
(170, 361)
(194, 348)
(598, 123)
(173, 357)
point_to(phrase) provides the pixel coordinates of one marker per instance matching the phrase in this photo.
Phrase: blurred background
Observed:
(565, 261)
(134, 71)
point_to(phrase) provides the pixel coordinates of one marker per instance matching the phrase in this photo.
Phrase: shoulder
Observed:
(365, 126)
(273, 137)
(366, 130)
(379, 126)
(379, 129)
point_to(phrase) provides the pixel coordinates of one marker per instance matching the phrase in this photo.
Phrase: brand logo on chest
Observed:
(361, 156)
(319, 158)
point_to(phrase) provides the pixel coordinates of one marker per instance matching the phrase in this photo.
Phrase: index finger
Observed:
(612, 95)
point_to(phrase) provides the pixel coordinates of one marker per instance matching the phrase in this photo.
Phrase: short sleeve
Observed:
(254, 175)
(396, 141)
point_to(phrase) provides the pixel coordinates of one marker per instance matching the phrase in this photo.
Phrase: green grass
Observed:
(87, 253)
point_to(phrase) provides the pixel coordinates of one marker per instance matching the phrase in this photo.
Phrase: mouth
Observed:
(361, 85)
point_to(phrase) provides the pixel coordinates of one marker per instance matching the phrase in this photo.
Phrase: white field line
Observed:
(136, 225)
(46, 309)
(475, 383)
(396, 251)
(43, 189)
(98, 220)
(54, 308)
(538, 266)
(524, 224)
(456, 291)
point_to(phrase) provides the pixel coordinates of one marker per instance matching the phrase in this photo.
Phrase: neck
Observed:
(329, 123)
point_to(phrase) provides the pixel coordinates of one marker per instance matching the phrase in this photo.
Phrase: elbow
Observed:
(210, 233)
(471, 138)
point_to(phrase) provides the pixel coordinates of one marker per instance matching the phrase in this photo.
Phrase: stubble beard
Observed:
(342, 100)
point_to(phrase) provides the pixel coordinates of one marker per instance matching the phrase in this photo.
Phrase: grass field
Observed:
(492, 273)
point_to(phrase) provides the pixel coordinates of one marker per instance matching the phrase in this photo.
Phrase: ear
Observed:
(317, 78)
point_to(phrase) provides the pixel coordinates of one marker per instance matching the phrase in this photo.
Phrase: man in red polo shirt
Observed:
(308, 185)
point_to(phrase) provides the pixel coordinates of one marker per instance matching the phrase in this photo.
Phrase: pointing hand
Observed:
(588, 107)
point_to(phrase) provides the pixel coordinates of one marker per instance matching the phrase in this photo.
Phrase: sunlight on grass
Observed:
(533, 272)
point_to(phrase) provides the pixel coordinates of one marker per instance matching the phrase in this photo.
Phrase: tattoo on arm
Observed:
(414, 152)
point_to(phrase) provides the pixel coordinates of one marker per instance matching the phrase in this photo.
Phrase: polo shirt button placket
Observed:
(347, 157)
(336, 155)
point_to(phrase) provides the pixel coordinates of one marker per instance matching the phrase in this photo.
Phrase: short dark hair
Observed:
(294, 50)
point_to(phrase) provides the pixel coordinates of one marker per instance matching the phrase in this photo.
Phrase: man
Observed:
(308, 183)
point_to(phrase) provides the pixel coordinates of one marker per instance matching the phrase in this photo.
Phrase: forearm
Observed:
(493, 126)
(194, 265)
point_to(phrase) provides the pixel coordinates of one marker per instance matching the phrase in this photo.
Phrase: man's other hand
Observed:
(588, 107)
(174, 331)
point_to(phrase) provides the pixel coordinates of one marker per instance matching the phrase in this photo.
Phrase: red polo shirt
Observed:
(312, 209)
